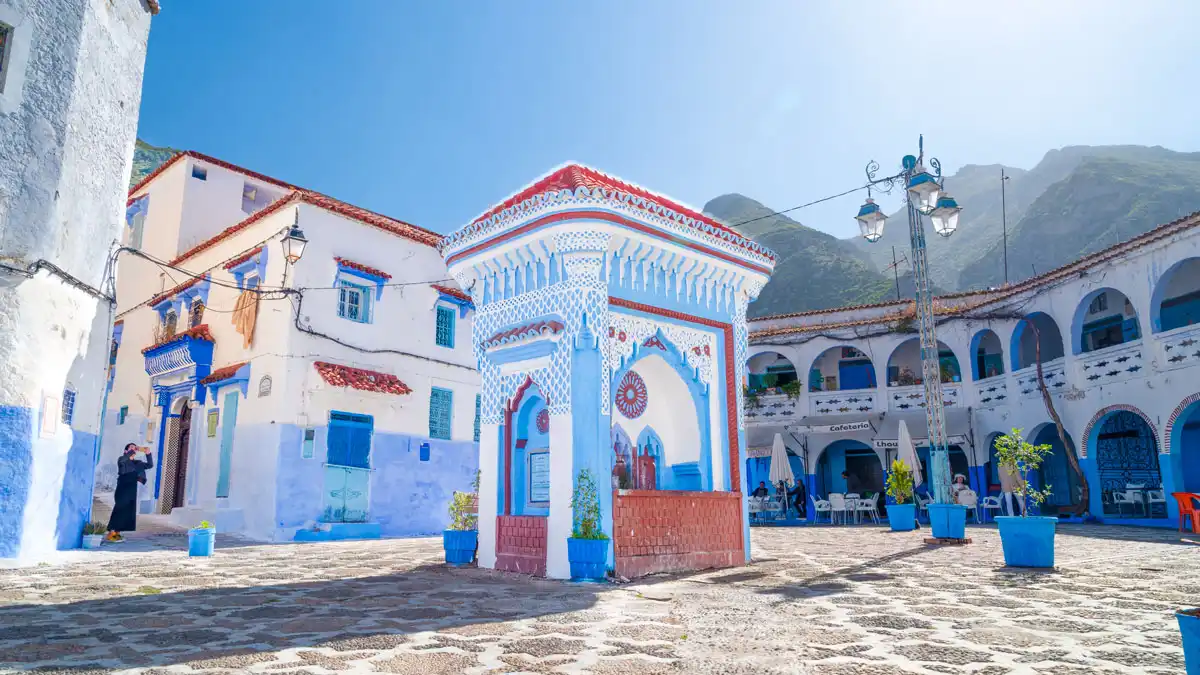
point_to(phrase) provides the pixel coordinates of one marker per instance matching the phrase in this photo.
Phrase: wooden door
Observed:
(181, 454)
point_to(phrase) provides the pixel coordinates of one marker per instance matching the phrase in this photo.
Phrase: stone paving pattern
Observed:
(835, 601)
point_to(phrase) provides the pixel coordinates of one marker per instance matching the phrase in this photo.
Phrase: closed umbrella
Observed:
(907, 452)
(781, 469)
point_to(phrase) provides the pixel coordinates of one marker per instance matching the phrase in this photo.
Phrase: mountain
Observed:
(814, 270)
(147, 158)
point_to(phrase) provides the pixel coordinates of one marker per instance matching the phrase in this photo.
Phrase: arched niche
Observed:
(1175, 302)
(530, 463)
(769, 372)
(1024, 345)
(987, 355)
(904, 364)
(841, 368)
(1103, 318)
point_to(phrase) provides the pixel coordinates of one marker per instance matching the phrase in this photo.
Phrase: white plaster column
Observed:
(489, 492)
(562, 484)
(196, 436)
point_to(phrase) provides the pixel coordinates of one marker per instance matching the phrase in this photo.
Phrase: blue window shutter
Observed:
(124, 413)
(478, 414)
(349, 441)
(444, 334)
(440, 408)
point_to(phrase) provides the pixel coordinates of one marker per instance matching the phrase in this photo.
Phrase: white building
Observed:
(70, 87)
(1119, 346)
(344, 406)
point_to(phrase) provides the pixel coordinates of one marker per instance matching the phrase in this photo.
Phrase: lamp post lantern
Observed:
(925, 195)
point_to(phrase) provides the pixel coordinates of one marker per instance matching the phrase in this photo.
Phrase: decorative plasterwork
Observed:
(627, 330)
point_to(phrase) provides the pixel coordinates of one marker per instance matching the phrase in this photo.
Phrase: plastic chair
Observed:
(923, 505)
(1127, 497)
(1155, 497)
(837, 504)
(821, 506)
(869, 507)
(852, 504)
(969, 499)
(990, 504)
(1188, 509)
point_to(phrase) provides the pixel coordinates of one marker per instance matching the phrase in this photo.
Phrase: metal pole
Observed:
(896, 270)
(1004, 221)
(939, 457)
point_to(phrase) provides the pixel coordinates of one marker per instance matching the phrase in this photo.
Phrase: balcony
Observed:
(841, 402)
(1054, 373)
(773, 408)
(191, 348)
(1111, 364)
(1179, 348)
(912, 397)
(993, 391)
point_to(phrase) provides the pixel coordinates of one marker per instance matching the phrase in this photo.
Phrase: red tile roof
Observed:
(390, 225)
(165, 295)
(573, 176)
(154, 6)
(243, 257)
(365, 380)
(363, 268)
(198, 333)
(452, 292)
(537, 328)
(992, 295)
(223, 373)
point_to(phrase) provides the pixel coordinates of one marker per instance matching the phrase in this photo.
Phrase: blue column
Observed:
(164, 401)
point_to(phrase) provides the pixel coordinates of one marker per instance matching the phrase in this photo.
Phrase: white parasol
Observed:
(781, 469)
(907, 453)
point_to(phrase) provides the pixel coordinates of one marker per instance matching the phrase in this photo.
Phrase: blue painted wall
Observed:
(16, 463)
(408, 496)
(75, 501)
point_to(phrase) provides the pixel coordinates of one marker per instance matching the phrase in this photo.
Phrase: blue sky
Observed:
(433, 111)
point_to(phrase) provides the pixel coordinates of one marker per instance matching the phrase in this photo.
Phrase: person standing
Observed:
(1008, 484)
(130, 473)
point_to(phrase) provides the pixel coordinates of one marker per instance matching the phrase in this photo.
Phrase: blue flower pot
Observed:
(588, 558)
(948, 521)
(201, 541)
(902, 517)
(460, 546)
(1189, 626)
(1027, 542)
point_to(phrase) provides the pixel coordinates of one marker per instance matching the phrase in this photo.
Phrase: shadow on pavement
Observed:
(233, 624)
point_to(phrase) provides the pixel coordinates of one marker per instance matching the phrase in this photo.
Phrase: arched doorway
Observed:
(1183, 445)
(860, 463)
(958, 465)
(771, 373)
(529, 469)
(987, 355)
(1175, 302)
(1055, 472)
(1103, 318)
(1024, 347)
(841, 368)
(904, 365)
(1126, 456)
(175, 459)
(659, 402)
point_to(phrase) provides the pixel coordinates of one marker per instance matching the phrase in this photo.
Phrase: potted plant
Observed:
(202, 539)
(902, 515)
(1189, 626)
(460, 539)
(587, 548)
(751, 397)
(791, 389)
(1028, 541)
(93, 534)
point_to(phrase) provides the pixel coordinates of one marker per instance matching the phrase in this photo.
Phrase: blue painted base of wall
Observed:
(341, 532)
(1141, 522)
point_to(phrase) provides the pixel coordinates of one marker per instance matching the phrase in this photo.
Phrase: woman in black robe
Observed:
(130, 472)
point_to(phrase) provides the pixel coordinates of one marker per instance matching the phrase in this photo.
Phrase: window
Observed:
(440, 408)
(478, 409)
(123, 414)
(249, 192)
(445, 327)
(354, 302)
(197, 314)
(112, 353)
(170, 324)
(349, 440)
(68, 406)
(1099, 304)
(6, 36)
(199, 173)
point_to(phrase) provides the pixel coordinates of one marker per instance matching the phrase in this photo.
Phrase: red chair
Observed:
(1187, 509)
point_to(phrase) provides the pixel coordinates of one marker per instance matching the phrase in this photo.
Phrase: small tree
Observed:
(585, 503)
(791, 389)
(463, 515)
(900, 482)
(1018, 456)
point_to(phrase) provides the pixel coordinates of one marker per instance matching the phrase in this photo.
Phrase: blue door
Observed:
(228, 422)
(348, 468)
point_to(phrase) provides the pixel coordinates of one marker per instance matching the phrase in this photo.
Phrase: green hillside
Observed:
(147, 158)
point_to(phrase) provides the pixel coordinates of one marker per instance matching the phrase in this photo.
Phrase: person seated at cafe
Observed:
(761, 490)
(959, 485)
(799, 499)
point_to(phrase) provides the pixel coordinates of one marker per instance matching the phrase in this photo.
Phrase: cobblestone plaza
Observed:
(845, 601)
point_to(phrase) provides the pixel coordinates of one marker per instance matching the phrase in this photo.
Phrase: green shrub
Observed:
(1016, 455)
(585, 503)
(463, 511)
(900, 482)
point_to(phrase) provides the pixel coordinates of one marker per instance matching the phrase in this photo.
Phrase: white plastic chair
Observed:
(852, 504)
(821, 506)
(837, 505)
(1128, 497)
(869, 507)
(923, 504)
(1156, 497)
(990, 504)
(969, 499)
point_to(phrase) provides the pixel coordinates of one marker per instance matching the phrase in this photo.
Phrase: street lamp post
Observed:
(926, 196)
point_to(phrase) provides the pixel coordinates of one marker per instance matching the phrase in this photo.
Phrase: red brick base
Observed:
(521, 544)
(673, 531)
